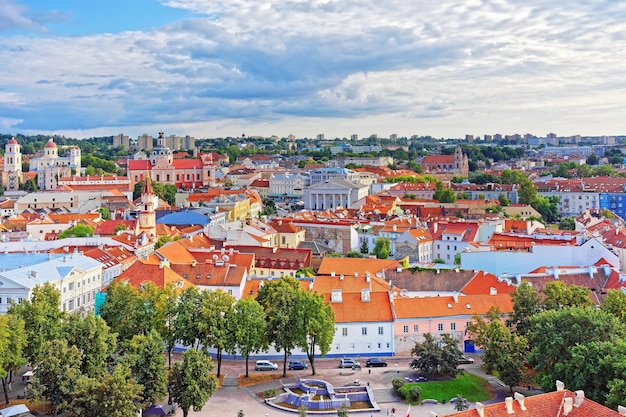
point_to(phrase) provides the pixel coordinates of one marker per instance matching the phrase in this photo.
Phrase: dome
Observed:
(51, 144)
(12, 142)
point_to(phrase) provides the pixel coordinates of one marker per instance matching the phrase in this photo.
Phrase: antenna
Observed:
(225, 258)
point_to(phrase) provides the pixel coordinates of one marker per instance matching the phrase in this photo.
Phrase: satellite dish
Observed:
(215, 257)
(404, 293)
(225, 258)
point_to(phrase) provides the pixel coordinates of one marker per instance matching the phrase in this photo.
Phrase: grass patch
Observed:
(470, 386)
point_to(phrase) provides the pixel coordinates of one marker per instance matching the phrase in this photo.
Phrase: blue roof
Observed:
(9, 261)
(184, 218)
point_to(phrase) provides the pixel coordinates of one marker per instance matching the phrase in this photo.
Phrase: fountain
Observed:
(319, 397)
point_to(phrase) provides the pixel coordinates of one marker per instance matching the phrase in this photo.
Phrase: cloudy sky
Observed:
(213, 68)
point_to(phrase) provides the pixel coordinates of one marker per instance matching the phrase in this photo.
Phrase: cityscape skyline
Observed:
(225, 68)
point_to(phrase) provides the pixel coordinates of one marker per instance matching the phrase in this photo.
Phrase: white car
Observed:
(265, 366)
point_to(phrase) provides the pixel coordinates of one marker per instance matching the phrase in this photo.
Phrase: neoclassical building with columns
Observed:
(336, 192)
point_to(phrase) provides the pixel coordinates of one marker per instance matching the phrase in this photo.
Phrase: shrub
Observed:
(415, 393)
(403, 392)
(269, 393)
(396, 383)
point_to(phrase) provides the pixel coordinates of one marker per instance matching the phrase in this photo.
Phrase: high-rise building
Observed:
(121, 140)
(145, 142)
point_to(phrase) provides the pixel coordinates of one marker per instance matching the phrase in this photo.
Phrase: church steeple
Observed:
(149, 202)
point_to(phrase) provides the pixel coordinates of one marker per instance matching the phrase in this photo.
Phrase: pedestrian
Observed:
(393, 412)
(387, 411)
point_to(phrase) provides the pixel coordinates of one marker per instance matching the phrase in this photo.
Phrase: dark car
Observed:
(465, 360)
(375, 362)
(297, 365)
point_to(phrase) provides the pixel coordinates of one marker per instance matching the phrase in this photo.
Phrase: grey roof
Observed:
(52, 270)
(445, 280)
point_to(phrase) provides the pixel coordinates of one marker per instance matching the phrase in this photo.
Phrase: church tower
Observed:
(149, 202)
(161, 153)
(12, 165)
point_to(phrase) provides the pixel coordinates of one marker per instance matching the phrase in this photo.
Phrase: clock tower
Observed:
(12, 165)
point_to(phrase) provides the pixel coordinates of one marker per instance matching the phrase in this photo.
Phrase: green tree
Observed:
(436, 357)
(603, 171)
(123, 310)
(593, 159)
(354, 254)
(318, 325)
(12, 343)
(41, 317)
(444, 195)
(30, 186)
(460, 403)
(162, 240)
(58, 369)
(504, 201)
(104, 213)
(148, 366)
(615, 304)
(215, 317)
(547, 207)
(80, 230)
(563, 171)
(504, 350)
(92, 338)
(617, 393)
(187, 322)
(583, 171)
(114, 395)
(282, 314)
(382, 247)
(119, 227)
(249, 329)
(365, 247)
(190, 382)
(559, 295)
(526, 303)
(567, 327)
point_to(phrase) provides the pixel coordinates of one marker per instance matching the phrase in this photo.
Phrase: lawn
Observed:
(470, 386)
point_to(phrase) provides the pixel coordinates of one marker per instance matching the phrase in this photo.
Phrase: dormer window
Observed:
(365, 295)
(335, 296)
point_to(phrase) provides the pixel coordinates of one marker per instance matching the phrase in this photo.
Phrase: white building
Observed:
(288, 185)
(77, 278)
(50, 166)
(333, 193)
(521, 262)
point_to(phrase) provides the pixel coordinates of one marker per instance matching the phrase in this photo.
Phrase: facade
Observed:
(163, 168)
(336, 192)
(288, 185)
(77, 278)
(49, 165)
(325, 174)
(12, 170)
(457, 164)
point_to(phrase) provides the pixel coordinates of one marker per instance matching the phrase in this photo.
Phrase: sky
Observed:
(216, 68)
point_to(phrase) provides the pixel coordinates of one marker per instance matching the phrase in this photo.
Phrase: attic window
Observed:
(185, 276)
(208, 276)
(335, 296)
(468, 305)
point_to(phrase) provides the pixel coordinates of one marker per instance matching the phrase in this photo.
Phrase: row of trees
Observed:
(82, 368)
(561, 335)
(283, 315)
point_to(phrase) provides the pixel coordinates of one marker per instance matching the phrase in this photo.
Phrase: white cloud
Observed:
(517, 65)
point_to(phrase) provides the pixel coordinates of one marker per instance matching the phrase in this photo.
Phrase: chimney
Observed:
(455, 296)
(508, 403)
(367, 277)
(356, 274)
(193, 263)
(395, 227)
(520, 399)
(592, 271)
(332, 274)
(340, 277)
(567, 405)
(560, 386)
(580, 397)
(480, 408)
(493, 291)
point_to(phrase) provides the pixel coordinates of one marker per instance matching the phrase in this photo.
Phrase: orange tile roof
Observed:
(141, 273)
(348, 266)
(548, 404)
(351, 309)
(325, 284)
(483, 282)
(413, 308)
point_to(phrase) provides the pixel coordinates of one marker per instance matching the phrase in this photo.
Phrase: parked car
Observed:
(375, 362)
(465, 360)
(349, 363)
(265, 366)
(297, 365)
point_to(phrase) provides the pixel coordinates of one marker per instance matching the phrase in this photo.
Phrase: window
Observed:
(452, 326)
(416, 328)
(405, 329)
(344, 331)
(70, 306)
(64, 307)
(380, 330)
(363, 331)
(440, 327)
(380, 345)
(284, 239)
(71, 286)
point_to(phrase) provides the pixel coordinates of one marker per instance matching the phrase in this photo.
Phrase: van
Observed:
(265, 366)
(349, 363)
